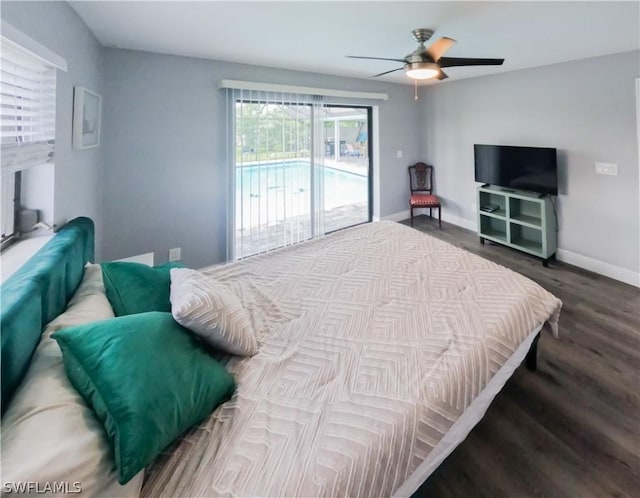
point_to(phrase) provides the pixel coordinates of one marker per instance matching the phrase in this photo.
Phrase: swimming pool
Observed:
(271, 192)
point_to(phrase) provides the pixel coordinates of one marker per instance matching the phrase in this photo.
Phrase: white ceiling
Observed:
(316, 36)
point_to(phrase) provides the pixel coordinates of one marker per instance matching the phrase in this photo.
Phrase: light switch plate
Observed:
(607, 169)
(175, 254)
(399, 154)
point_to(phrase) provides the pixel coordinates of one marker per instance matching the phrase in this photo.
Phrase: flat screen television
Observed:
(520, 168)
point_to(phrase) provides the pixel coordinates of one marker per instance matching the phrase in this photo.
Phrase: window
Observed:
(301, 168)
(287, 190)
(27, 132)
(278, 181)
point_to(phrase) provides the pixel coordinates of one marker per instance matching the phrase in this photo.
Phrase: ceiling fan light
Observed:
(421, 70)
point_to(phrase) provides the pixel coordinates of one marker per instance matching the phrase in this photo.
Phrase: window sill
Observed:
(19, 253)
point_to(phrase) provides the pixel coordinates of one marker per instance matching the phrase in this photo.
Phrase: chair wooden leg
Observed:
(430, 212)
(440, 217)
(411, 209)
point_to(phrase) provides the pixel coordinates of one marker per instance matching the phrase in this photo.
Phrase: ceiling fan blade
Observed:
(442, 75)
(438, 48)
(462, 61)
(387, 72)
(374, 58)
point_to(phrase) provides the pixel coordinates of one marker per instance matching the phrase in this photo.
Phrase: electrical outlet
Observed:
(399, 154)
(474, 208)
(607, 169)
(175, 254)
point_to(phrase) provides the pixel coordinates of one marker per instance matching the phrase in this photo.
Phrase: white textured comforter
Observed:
(372, 342)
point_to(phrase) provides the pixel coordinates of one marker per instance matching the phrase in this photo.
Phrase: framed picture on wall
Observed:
(87, 107)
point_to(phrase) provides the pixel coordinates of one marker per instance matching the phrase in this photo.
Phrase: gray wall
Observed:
(586, 109)
(158, 180)
(78, 173)
(165, 126)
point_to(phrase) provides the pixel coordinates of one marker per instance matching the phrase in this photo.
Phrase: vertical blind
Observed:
(27, 108)
(277, 183)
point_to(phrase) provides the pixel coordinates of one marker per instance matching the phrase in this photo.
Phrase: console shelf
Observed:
(521, 220)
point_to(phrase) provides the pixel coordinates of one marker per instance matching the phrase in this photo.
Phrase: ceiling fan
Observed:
(427, 62)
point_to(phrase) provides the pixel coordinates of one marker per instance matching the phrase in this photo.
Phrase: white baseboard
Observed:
(602, 268)
(144, 259)
(461, 222)
(402, 215)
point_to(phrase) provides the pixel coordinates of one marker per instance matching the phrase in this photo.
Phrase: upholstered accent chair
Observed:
(421, 185)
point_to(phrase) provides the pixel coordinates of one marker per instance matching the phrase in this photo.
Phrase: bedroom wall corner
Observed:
(585, 109)
(78, 173)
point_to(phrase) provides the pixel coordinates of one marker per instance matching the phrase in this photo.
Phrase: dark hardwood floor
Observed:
(572, 428)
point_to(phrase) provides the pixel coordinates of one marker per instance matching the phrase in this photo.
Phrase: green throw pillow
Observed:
(147, 379)
(135, 288)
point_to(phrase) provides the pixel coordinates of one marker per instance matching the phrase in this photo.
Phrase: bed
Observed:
(380, 348)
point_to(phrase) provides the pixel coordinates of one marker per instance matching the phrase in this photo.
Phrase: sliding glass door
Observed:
(347, 167)
(301, 170)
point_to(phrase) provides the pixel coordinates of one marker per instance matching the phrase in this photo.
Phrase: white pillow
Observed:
(212, 311)
(86, 305)
(48, 433)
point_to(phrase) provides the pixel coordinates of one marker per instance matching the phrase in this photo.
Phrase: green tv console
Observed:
(522, 220)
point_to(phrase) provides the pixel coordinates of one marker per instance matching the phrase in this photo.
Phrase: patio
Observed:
(296, 229)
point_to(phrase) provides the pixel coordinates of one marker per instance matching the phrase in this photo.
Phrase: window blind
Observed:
(27, 108)
(277, 180)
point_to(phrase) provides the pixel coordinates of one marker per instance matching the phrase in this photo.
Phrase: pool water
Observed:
(268, 193)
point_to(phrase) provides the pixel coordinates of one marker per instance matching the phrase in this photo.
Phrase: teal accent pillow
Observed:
(147, 379)
(135, 288)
